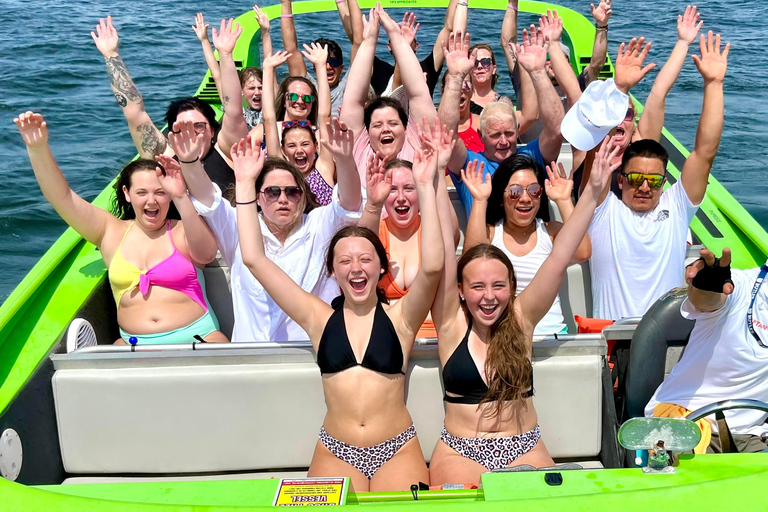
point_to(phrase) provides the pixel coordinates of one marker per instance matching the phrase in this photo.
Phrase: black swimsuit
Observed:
(384, 353)
(461, 377)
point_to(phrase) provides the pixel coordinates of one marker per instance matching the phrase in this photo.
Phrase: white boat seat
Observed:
(260, 409)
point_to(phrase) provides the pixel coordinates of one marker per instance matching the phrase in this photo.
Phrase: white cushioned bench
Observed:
(260, 409)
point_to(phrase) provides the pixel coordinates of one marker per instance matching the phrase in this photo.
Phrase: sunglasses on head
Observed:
(306, 98)
(198, 127)
(334, 62)
(485, 62)
(301, 122)
(293, 193)
(636, 179)
(516, 191)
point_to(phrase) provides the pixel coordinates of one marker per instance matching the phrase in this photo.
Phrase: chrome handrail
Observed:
(726, 405)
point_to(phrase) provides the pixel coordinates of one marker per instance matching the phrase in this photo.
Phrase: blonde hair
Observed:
(497, 111)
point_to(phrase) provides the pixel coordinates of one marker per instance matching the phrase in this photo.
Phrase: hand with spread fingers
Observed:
(688, 24)
(340, 141)
(409, 28)
(558, 185)
(532, 54)
(601, 13)
(105, 37)
(477, 183)
(437, 137)
(713, 62)
(316, 54)
(457, 58)
(628, 68)
(602, 168)
(551, 26)
(33, 129)
(425, 165)
(261, 18)
(169, 175)
(185, 141)
(711, 274)
(200, 27)
(378, 181)
(371, 25)
(226, 37)
(274, 60)
(248, 161)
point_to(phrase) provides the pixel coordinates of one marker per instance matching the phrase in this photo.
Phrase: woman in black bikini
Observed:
(362, 345)
(485, 345)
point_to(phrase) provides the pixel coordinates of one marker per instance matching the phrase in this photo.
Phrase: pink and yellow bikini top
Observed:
(175, 272)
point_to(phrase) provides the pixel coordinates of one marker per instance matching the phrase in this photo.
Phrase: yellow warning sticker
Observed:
(310, 491)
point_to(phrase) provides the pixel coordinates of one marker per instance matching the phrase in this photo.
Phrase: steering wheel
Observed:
(726, 439)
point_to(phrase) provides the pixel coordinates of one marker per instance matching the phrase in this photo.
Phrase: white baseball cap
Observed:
(601, 108)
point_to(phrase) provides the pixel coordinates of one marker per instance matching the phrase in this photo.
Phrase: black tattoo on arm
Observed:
(121, 99)
(151, 141)
(225, 100)
(121, 81)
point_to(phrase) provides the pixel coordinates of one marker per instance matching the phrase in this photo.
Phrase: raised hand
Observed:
(425, 165)
(409, 27)
(371, 25)
(532, 54)
(170, 177)
(105, 37)
(378, 181)
(688, 24)
(474, 178)
(33, 129)
(200, 27)
(558, 186)
(551, 26)
(601, 13)
(457, 57)
(713, 63)
(275, 60)
(261, 18)
(710, 273)
(225, 39)
(185, 142)
(340, 140)
(437, 137)
(628, 67)
(387, 22)
(248, 161)
(316, 54)
(602, 166)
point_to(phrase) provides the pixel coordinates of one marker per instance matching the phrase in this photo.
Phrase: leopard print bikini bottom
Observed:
(369, 459)
(493, 452)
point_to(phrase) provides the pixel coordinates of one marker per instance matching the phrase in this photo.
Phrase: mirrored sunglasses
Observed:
(301, 122)
(516, 191)
(306, 98)
(636, 179)
(293, 193)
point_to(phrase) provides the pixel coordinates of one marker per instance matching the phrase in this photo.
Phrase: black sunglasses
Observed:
(484, 62)
(293, 193)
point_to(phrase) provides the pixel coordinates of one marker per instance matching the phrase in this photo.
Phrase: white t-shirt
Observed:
(637, 257)
(722, 360)
(302, 257)
(526, 268)
(337, 92)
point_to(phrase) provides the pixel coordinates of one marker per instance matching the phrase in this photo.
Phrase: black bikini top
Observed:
(384, 353)
(461, 377)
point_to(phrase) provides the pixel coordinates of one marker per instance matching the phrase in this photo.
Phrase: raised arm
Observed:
(551, 26)
(419, 98)
(233, 125)
(709, 280)
(201, 243)
(187, 143)
(149, 141)
(534, 302)
(339, 141)
(201, 31)
(479, 185)
(271, 134)
(509, 28)
(529, 108)
(318, 56)
(532, 57)
(559, 188)
(408, 29)
(417, 302)
(296, 66)
(304, 308)
(459, 64)
(652, 119)
(88, 220)
(266, 38)
(378, 185)
(356, 93)
(455, 21)
(357, 26)
(712, 65)
(602, 13)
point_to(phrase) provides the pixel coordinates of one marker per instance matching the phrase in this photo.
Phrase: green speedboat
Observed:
(216, 427)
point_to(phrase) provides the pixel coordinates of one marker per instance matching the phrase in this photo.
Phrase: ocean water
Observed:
(50, 65)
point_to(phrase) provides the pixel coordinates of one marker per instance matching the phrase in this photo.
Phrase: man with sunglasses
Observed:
(639, 240)
(727, 353)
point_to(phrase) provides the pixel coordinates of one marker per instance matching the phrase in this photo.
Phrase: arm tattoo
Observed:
(151, 141)
(121, 80)
(121, 99)
(225, 100)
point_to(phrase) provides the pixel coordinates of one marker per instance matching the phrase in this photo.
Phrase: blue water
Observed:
(51, 65)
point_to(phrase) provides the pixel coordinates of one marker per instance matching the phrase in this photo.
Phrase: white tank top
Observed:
(527, 266)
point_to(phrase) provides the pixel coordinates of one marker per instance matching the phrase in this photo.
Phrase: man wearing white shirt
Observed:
(639, 241)
(724, 358)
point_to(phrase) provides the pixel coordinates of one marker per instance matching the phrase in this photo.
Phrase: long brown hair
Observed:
(283, 89)
(507, 365)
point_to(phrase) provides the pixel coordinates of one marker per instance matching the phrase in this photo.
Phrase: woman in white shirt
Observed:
(296, 232)
(506, 215)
